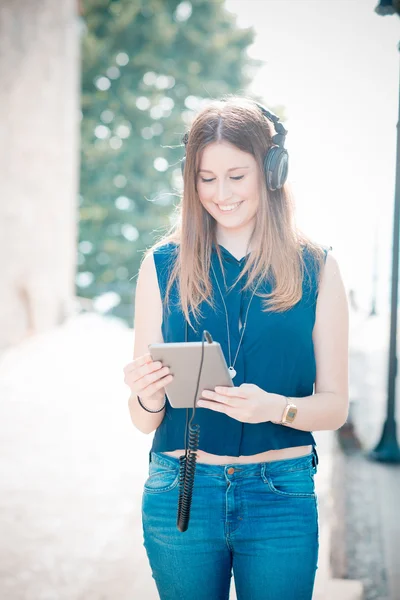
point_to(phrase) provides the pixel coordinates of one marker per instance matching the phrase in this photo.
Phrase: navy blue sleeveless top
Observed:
(277, 354)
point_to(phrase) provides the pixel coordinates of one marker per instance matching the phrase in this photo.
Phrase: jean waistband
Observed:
(286, 464)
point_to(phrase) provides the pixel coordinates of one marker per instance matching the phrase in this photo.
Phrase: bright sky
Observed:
(334, 68)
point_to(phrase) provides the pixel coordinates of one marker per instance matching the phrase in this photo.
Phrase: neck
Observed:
(237, 242)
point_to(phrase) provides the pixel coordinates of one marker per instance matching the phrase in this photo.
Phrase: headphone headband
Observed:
(279, 137)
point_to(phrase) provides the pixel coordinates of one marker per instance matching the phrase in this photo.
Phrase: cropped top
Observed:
(277, 354)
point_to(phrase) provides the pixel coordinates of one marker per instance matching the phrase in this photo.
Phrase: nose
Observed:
(224, 191)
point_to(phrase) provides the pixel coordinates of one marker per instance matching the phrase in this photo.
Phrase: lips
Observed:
(228, 208)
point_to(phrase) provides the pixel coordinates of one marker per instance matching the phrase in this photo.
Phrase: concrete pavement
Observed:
(72, 470)
(371, 489)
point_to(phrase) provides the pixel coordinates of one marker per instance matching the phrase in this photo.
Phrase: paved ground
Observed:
(370, 532)
(72, 469)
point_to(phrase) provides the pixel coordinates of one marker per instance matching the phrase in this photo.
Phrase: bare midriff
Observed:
(268, 455)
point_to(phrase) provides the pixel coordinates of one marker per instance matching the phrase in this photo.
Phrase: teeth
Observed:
(229, 207)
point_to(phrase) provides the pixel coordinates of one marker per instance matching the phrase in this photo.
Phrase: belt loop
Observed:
(315, 457)
(149, 456)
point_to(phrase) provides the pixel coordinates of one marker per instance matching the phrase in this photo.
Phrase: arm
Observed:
(147, 326)
(327, 409)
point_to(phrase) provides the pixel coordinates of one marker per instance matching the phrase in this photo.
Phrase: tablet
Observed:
(183, 358)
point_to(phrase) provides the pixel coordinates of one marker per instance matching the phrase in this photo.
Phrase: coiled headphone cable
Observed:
(187, 462)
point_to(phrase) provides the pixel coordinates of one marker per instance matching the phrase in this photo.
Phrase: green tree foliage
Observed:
(147, 67)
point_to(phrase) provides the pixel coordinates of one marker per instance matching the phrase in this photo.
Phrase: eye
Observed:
(234, 178)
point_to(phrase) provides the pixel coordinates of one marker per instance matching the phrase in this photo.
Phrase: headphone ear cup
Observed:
(276, 167)
(183, 165)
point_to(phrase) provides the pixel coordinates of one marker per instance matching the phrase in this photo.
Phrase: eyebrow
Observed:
(229, 170)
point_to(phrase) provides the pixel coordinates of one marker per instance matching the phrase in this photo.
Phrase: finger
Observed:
(209, 395)
(143, 370)
(212, 406)
(142, 360)
(157, 385)
(149, 373)
(231, 391)
(138, 362)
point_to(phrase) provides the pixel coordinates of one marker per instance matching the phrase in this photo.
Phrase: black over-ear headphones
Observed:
(276, 159)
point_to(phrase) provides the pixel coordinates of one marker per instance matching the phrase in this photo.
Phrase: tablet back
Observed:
(183, 358)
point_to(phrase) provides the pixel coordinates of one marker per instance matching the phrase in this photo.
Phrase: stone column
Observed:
(39, 163)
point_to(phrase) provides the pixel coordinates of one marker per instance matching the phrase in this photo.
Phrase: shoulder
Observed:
(326, 250)
(147, 271)
(323, 276)
(164, 254)
(313, 257)
(164, 249)
(156, 256)
(158, 264)
(331, 278)
(315, 254)
(332, 305)
(331, 261)
(332, 302)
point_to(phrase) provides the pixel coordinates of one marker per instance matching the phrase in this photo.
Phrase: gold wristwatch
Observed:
(289, 414)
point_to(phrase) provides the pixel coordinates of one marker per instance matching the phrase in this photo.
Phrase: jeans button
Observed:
(230, 471)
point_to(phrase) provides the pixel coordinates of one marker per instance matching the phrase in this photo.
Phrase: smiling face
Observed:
(228, 186)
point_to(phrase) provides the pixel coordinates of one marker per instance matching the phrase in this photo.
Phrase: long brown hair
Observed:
(277, 241)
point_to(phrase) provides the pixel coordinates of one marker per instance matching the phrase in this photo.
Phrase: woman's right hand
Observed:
(147, 378)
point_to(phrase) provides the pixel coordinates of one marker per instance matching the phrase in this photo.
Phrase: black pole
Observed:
(387, 449)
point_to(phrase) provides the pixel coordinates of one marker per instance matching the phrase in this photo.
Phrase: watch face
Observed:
(291, 414)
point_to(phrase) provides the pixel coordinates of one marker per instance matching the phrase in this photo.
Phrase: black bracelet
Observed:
(148, 409)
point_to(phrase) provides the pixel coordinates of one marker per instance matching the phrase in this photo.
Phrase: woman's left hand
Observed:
(247, 403)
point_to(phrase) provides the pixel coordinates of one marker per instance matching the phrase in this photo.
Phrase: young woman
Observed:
(236, 265)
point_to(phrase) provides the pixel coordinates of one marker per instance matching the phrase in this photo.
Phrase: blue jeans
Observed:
(258, 520)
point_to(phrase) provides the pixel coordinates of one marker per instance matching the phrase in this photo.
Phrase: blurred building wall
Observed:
(39, 155)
